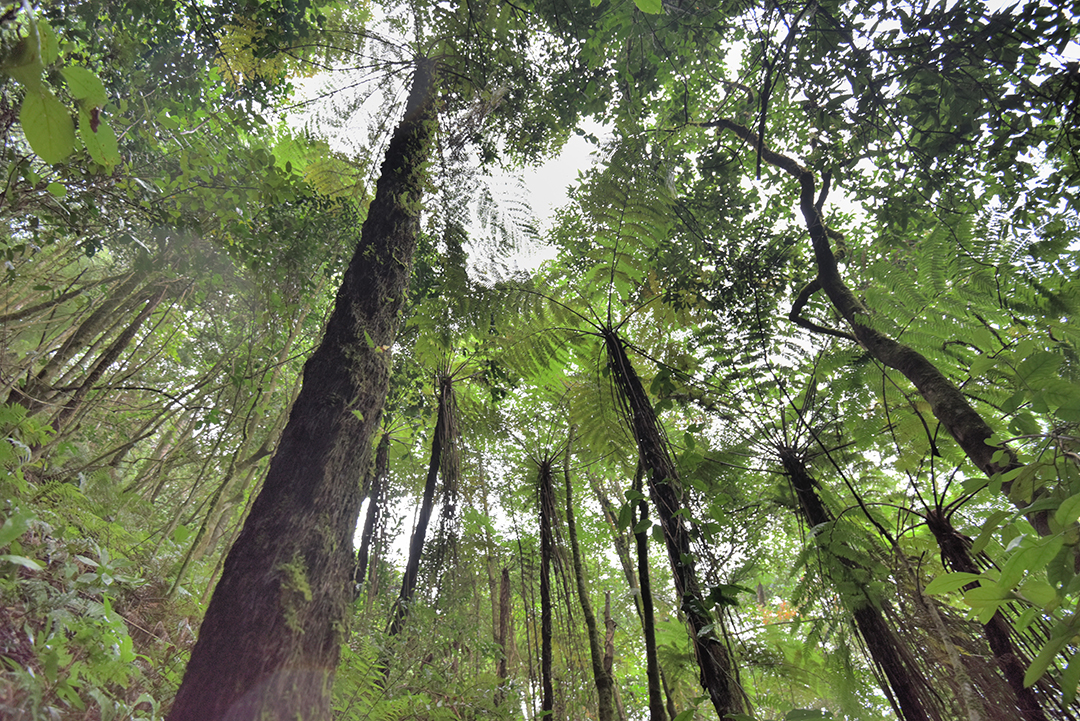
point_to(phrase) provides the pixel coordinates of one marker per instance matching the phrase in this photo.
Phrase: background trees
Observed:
(787, 197)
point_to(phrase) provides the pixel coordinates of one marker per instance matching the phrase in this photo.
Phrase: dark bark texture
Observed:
(547, 552)
(270, 641)
(439, 442)
(601, 674)
(719, 676)
(955, 551)
(375, 493)
(908, 689)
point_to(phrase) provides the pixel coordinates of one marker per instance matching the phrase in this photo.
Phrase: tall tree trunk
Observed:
(648, 618)
(719, 677)
(270, 641)
(1011, 661)
(547, 552)
(601, 673)
(376, 490)
(911, 691)
(440, 441)
(35, 395)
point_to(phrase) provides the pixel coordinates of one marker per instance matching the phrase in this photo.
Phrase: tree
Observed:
(270, 640)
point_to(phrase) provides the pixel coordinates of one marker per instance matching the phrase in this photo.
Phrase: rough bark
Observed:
(400, 611)
(907, 688)
(547, 552)
(648, 619)
(601, 673)
(1011, 661)
(270, 641)
(719, 676)
(947, 402)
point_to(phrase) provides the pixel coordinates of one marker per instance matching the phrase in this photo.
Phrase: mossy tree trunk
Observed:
(270, 641)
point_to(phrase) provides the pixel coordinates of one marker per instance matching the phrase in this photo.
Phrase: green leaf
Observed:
(84, 85)
(47, 125)
(21, 561)
(59, 190)
(50, 44)
(653, 7)
(100, 143)
(950, 582)
(807, 714)
(14, 527)
(1046, 655)
(1069, 510)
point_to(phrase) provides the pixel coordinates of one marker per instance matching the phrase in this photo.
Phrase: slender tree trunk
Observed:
(601, 672)
(719, 676)
(439, 441)
(270, 641)
(67, 295)
(376, 493)
(34, 397)
(547, 552)
(648, 618)
(110, 356)
(503, 635)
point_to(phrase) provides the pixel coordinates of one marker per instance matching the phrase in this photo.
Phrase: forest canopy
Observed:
(787, 426)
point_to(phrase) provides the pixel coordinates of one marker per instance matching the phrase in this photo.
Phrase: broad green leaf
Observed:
(653, 7)
(1046, 655)
(47, 125)
(50, 44)
(84, 85)
(21, 561)
(950, 582)
(1038, 592)
(24, 64)
(1070, 679)
(807, 714)
(100, 143)
(993, 522)
(14, 527)
(1069, 510)
(57, 189)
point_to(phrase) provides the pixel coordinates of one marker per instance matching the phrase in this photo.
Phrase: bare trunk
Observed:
(547, 552)
(376, 491)
(601, 671)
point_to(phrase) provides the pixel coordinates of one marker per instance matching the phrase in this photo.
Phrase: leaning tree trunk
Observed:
(949, 405)
(440, 443)
(910, 690)
(1011, 660)
(547, 552)
(719, 677)
(270, 641)
(601, 672)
